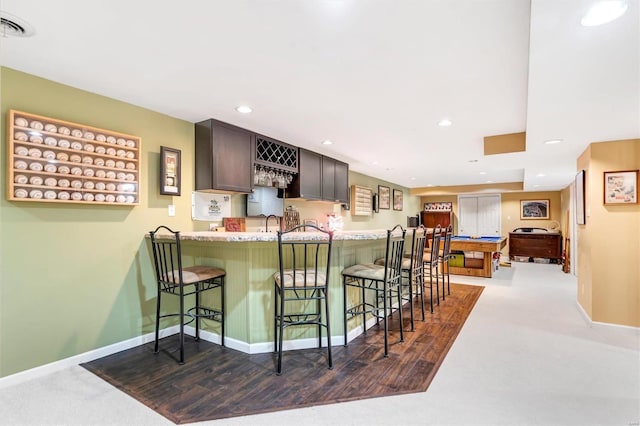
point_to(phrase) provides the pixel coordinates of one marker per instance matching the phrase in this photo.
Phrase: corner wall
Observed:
(609, 243)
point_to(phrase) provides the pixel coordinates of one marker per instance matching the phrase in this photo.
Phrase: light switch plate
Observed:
(171, 210)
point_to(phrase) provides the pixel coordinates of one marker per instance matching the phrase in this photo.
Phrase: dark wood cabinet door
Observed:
(232, 169)
(342, 182)
(223, 157)
(320, 178)
(328, 179)
(432, 219)
(308, 183)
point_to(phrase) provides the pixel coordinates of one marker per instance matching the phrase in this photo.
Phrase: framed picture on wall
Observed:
(169, 171)
(534, 209)
(384, 197)
(438, 207)
(397, 199)
(621, 187)
(580, 205)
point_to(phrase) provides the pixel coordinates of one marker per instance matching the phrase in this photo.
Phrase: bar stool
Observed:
(302, 277)
(172, 278)
(413, 270)
(380, 280)
(443, 257)
(431, 260)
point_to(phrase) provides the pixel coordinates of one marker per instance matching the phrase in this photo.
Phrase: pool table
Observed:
(487, 245)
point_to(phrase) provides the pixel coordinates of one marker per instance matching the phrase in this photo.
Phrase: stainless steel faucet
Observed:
(266, 222)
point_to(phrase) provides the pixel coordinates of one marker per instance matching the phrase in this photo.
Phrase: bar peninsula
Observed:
(250, 260)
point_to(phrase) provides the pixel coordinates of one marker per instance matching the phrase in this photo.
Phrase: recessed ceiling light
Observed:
(489, 181)
(540, 175)
(552, 141)
(483, 173)
(374, 163)
(604, 12)
(430, 184)
(536, 186)
(244, 109)
(445, 122)
(413, 178)
(326, 142)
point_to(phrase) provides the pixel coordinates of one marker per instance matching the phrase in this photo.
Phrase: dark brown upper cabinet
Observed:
(308, 183)
(320, 178)
(342, 182)
(223, 157)
(335, 180)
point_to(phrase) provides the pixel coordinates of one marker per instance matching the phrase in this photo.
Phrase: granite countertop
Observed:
(374, 234)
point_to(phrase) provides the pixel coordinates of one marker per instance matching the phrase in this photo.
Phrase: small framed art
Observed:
(384, 197)
(169, 171)
(534, 209)
(621, 187)
(397, 199)
(581, 218)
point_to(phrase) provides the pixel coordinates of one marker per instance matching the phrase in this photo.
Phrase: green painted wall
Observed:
(74, 278)
(78, 277)
(385, 219)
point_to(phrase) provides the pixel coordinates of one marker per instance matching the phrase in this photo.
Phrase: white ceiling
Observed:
(373, 76)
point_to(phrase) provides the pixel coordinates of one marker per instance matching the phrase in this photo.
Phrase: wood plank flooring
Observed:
(219, 382)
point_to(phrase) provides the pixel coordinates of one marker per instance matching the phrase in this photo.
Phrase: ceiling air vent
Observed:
(12, 26)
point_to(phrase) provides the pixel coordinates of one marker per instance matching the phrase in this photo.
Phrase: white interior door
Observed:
(467, 212)
(489, 216)
(479, 215)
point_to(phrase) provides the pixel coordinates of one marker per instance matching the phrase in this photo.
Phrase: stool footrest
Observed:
(206, 313)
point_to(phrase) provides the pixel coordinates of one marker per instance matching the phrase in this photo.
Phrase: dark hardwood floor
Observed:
(219, 382)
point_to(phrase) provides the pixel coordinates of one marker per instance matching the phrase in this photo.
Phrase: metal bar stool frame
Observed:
(381, 280)
(413, 270)
(305, 280)
(170, 278)
(444, 256)
(431, 260)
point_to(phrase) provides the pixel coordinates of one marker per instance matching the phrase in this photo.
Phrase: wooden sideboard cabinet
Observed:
(432, 219)
(533, 244)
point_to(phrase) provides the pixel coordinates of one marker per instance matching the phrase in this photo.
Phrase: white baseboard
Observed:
(52, 367)
(605, 325)
(254, 348)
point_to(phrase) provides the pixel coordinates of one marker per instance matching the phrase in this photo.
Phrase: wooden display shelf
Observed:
(56, 161)
(361, 201)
